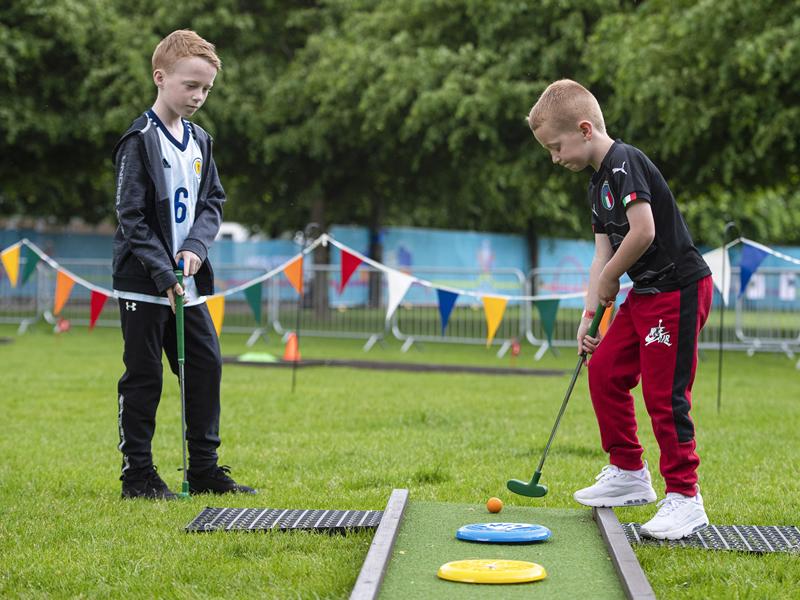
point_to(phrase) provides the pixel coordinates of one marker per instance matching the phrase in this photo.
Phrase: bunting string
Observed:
(398, 281)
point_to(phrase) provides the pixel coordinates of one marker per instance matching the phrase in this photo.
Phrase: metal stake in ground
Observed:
(184, 493)
(723, 297)
(533, 488)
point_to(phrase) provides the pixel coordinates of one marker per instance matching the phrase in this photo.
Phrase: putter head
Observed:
(532, 488)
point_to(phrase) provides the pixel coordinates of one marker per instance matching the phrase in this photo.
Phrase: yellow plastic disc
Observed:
(486, 570)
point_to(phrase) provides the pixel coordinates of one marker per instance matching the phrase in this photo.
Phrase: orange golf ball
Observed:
(494, 505)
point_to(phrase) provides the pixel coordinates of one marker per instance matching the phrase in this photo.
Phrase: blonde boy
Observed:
(169, 206)
(638, 229)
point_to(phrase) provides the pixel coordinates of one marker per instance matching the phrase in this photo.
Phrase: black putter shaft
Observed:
(533, 488)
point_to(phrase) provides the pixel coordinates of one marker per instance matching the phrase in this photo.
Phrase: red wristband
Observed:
(588, 314)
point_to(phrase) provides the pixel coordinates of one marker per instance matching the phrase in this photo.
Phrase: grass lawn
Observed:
(344, 440)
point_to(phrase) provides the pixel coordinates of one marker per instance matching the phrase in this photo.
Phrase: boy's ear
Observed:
(587, 129)
(158, 77)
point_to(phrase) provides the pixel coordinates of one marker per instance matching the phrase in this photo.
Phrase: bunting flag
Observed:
(605, 322)
(253, 295)
(10, 258)
(216, 307)
(64, 285)
(97, 302)
(350, 263)
(547, 312)
(720, 265)
(752, 258)
(31, 260)
(398, 286)
(294, 273)
(493, 307)
(446, 302)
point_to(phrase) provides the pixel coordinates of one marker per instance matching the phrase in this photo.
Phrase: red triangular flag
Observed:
(350, 263)
(97, 302)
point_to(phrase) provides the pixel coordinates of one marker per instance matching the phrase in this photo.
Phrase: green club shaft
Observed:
(598, 316)
(179, 329)
(534, 488)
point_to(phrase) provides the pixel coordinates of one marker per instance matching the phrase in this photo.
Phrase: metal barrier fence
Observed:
(321, 313)
(764, 318)
(766, 314)
(419, 320)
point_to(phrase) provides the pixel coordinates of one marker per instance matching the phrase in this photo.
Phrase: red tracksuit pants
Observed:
(653, 337)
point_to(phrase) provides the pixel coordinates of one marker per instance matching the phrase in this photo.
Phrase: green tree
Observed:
(413, 111)
(68, 69)
(710, 90)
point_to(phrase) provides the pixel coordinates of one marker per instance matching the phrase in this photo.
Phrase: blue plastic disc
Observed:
(503, 533)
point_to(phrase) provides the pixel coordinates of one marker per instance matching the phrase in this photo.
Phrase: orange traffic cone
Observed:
(292, 352)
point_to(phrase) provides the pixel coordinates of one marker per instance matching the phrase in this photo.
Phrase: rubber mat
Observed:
(744, 538)
(263, 519)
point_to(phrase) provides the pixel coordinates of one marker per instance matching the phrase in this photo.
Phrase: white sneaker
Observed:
(618, 487)
(677, 517)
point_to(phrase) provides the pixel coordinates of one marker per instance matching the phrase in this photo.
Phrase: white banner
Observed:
(720, 264)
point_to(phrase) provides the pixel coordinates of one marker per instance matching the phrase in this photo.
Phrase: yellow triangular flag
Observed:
(294, 273)
(494, 308)
(216, 306)
(64, 285)
(10, 257)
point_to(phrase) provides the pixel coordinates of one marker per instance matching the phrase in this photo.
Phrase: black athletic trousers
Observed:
(147, 329)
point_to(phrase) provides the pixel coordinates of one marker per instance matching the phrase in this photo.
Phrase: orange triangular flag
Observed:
(294, 273)
(494, 308)
(10, 257)
(216, 307)
(64, 285)
(605, 322)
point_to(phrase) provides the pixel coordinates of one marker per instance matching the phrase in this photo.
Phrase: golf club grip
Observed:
(598, 316)
(179, 315)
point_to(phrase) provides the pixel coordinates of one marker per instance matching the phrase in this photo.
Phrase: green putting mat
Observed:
(575, 557)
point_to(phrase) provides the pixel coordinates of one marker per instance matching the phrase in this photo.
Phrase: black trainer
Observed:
(215, 480)
(146, 484)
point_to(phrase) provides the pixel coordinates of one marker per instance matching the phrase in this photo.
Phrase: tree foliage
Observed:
(412, 111)
(710, 90)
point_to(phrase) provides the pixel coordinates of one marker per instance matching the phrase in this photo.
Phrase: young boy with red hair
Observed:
(639, 230)
(169, 206)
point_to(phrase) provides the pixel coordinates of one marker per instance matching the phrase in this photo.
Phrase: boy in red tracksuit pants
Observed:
(639, 230)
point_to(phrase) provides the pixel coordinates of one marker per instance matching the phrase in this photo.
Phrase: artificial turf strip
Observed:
(575, 558)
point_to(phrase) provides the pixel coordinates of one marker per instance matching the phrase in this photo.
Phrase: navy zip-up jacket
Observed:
(143, 260)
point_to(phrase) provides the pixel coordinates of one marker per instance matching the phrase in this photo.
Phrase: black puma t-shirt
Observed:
(626, 175)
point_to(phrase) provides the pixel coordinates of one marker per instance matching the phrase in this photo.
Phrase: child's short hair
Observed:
(566, 102)
(181, 44)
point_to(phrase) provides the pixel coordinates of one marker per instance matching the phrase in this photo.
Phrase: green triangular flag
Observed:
(547, 311)
(253, 295)
(31, 260)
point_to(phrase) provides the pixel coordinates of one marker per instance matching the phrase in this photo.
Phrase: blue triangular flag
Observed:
(752, 257)
(446, 302)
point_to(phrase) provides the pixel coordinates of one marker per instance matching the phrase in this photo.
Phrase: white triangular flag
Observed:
(720, 265)
(398, 286)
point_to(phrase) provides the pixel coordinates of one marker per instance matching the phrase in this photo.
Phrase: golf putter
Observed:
(533, 488)
(184, 493)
